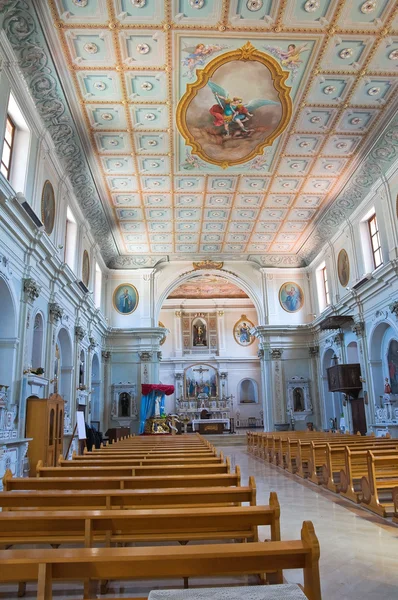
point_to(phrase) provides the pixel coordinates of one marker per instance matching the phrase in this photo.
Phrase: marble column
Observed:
(316, 381)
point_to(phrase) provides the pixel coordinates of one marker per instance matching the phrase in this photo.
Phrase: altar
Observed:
(211, 426)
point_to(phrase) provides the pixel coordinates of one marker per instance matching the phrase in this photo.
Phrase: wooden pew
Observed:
(356, 467)
(128, 499)
(395, 502)
(132, 471)
(110, 482)
(48, 566)
(183, 525)
(377, 486)
(120, 462)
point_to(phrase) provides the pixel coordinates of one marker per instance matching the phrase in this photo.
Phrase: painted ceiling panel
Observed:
(182, 135)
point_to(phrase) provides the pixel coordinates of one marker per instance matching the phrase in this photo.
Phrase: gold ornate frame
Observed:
(302, 295)
(136, 304)
(343, 251)
(247, 52)
(246, 320)
(46, 184)
(160, 324)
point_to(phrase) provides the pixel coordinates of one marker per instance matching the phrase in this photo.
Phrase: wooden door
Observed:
(51, 434)
(358, 416)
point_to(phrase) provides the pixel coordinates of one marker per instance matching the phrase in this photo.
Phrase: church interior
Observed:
(199, 299)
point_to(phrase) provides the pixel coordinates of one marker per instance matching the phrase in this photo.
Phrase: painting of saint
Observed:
(343, 268)
(85, 268)
(125, 299)
(392, 358)
(291, 297)
(48, 207)
(238, 106)
(242, 331)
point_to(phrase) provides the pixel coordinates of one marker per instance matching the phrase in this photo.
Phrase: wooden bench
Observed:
(134, 471)
(378, 484)
(66, 565)
(129, 526)
(128, 499)
(395, 503)
(146, 460)
(110, 482)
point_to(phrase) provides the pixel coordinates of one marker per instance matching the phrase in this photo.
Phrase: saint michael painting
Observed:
(238, 106)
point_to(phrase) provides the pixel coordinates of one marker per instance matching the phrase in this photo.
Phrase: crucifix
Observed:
(201, 370)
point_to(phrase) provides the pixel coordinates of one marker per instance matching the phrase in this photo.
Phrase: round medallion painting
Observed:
(48, 207)
(125, 298)
(85, 268)
(291, 297)
(242, 331)
(343, 268)
(160, 324)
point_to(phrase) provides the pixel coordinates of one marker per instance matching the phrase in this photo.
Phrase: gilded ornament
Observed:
(311, 5)
(254, 5)
(197, 4)
(329, 89)
(91, 48)
(315, 120)
(138, 3)
(345, 53)
(150, 117)
(146, 86)
(99, 85)
(393, 55)
(107, 116)
(113, 142)
(143, 48)
(374, 91)
(80, 3)
(368, 7)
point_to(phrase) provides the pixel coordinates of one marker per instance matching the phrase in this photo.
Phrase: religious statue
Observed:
(298, 400)
(124, 400)
(387, 387)
(157, 405)
(199, 337)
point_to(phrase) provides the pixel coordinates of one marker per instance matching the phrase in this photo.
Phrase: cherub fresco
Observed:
(197, 56)
(290, 58)
(232, 111)
(190, 162)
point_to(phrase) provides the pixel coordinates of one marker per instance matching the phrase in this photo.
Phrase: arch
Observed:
(331, 400)
(248, 391)
(237, 280)
(65, 346)
(8, 334)
(380, 339)
(63, 371)
(37, 341)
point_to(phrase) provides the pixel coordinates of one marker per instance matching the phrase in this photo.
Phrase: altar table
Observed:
(200, 425)
(285, 591)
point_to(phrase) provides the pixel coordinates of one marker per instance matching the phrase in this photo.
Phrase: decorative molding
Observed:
(145, 356)
(135, 262)
(106, 355)
(31, 288)
(93, 343)
(5, 266)
(261, 353)
(207, 264)
(394, 308)
(159, 355)
(56, 312)
(276, 353)
(313, 351)
(79, 333)
(359, 327)
(338, 339)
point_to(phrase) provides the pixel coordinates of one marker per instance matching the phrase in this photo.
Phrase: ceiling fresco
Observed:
(207, 287)
(224, 129)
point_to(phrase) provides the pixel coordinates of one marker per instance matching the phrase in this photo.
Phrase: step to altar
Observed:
(226, 439)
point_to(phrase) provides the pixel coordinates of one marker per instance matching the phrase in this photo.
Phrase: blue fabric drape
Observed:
(147, 409)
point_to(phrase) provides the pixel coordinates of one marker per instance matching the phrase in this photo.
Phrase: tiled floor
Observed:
(359, 551)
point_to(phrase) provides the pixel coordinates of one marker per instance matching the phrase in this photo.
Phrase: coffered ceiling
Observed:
(125, 65)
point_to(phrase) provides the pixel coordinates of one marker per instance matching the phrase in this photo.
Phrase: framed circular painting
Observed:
(242, 331)
(160, 324)
(86, 268)
(48, 207)
(291, 297)
(343, 268)
(125, 299)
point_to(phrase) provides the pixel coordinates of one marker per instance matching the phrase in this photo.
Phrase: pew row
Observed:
(128, 499)
(395, 503)
(129, 526)
(110, 482)
(377, 486)
(139, 462)
(131, 471)
(48, 566)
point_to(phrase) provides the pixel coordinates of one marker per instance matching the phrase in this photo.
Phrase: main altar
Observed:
(201, 398)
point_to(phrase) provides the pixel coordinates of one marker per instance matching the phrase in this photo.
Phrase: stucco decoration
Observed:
(23, 31)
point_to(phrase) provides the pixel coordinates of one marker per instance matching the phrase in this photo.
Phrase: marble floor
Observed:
(359, 551)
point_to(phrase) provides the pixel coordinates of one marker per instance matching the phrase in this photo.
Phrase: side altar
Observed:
(201, 397)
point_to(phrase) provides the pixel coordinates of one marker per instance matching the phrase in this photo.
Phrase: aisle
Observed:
(359, 551)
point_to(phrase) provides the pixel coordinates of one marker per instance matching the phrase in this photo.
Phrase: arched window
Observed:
(248, 392)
